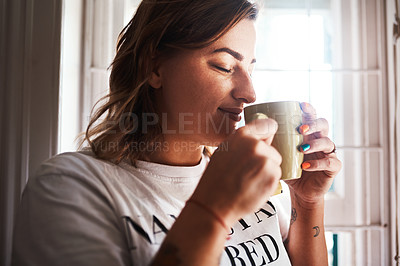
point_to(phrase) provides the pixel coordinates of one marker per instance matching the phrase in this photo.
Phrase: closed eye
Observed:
(223, 69)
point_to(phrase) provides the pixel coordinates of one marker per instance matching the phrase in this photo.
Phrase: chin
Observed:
(215, 133)
(215, 139)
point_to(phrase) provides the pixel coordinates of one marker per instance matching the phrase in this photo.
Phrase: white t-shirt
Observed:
(79, 210)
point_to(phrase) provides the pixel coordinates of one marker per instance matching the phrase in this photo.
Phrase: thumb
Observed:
(263, 129)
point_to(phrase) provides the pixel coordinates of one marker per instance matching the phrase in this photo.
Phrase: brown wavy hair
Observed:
(158, 29)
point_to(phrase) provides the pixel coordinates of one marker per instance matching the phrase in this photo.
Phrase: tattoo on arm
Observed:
(167, 255)
(294, 216)
(317, 230)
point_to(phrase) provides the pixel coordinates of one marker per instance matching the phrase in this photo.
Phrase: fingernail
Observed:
(304, 128)
(305, 165)
(304, 104)
(305, 147)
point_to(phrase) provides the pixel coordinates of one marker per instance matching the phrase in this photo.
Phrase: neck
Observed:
(176, 152)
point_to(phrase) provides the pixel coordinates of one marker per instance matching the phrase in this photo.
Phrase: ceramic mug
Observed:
(287, 139)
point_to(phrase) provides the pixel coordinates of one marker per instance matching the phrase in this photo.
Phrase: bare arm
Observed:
(306, 240)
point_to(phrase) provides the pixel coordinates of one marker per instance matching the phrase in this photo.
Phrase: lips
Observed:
(232, 113)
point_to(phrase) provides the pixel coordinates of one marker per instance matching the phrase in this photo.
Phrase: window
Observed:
(70, 78)
(326, 52)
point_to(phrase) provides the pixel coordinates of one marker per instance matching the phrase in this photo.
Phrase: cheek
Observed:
(210, 89)
(194, 88)
(193, 92)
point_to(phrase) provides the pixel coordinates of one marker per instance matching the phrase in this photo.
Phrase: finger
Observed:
(269, 152)
(272, 178)
(323, 144)
(309, 112)
(262, 129)
(331, 165)
(319, 125)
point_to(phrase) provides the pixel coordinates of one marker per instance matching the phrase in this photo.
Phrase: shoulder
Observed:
(68, 202)
(72, 164)
(82, 165)
(75, 179)
(71, 174)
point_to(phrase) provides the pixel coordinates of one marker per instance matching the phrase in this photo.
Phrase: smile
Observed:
(232, 113)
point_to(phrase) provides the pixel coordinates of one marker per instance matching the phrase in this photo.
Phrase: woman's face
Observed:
(201, 92)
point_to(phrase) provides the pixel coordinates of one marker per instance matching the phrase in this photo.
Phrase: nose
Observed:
(244, 90)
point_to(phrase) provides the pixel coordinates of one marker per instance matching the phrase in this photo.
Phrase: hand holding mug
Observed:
(240, 178)
(320, 164)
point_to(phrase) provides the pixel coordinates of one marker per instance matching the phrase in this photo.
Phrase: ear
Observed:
(155, 79)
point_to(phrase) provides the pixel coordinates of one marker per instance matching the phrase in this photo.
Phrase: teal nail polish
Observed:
(305, 147)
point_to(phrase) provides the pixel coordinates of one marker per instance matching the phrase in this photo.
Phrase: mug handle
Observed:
(258, 116)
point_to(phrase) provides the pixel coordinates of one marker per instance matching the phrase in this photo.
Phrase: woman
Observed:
(148, 190)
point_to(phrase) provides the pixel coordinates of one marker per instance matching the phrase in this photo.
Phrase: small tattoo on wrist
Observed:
(294, 216)
(317, 230)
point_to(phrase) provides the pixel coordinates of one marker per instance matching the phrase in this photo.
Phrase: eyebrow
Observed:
(233, 53)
